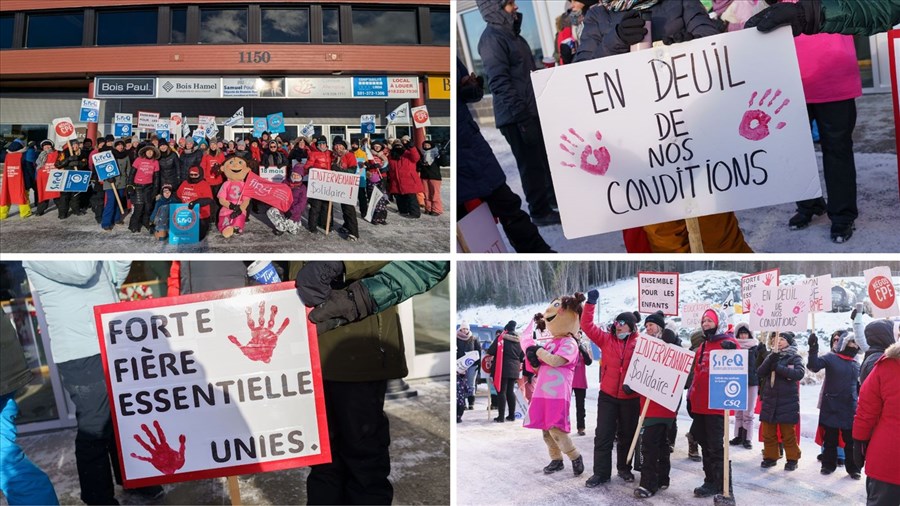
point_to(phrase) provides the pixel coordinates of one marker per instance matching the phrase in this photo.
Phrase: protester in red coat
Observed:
(617, 406)
(876, 427)
(403, 179)
(319, 157)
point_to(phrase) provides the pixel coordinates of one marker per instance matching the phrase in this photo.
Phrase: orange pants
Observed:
(788, 437)
(720, 233)
(433, 196)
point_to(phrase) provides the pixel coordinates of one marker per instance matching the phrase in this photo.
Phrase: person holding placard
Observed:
(708, 429)
(211, 163)
(143, 185)
(72, 157)
(618, 407)
(780, 411)
(849, 17)
(404, 182)
(111, 212)
(743, 420)
(879, 335)
(345, 161)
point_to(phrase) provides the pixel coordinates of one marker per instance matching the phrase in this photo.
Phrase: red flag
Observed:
(12, 189)
(43, 175)
(498, 363)
(277, 195)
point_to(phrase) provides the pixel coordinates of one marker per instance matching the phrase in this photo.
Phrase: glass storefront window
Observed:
(179, 25)
(379, 26)
(475, 25)
(337, 131)
(432, 319)
(331, 25)
(122, 28)
(440, 27)
(54, 30)
(223, 26)
(6, 31)
(8, 132)
(285, 25)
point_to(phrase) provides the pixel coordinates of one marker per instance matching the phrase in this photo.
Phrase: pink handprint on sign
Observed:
(262, 339)
(755, 123)
(759, 311)
(591, 160)
(162, 456)
(799, 307)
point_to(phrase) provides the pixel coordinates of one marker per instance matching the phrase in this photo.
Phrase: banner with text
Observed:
(692, 313)
(780, 308)
(658, 291)
(751, 281)
(658, 371)
(147, 120)
(340, 187)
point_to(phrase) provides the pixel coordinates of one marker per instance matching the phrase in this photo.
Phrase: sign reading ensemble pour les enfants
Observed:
(399, 87)
(245, 359)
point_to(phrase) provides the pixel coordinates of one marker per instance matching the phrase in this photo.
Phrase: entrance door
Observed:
(236, 133)
(354, 133)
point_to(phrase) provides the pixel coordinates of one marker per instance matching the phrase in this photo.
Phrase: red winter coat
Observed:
(878, 417)
(699, 391)
(403, 177)
(656, 411)
(207, 165)
(616, 352)
(317, 160)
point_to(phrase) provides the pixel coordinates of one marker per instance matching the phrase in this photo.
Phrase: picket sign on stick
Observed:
(725, 440)
(694, 238)
(234, 491)
(118, 200)
(328, 219)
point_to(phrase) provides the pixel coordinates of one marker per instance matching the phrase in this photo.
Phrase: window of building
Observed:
(285, 25)
(122, 28)
(380, 26)
(54, 30)
(10, 132)
(331, 25)
(440, 27)
(223, 26)
(6, 31)
(337, 131)
(179, 25)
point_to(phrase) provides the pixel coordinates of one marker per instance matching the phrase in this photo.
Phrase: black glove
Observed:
(813, 341)
(237, 212)
(675, 38)
(804, 17)
(627, 389)
(531, 355)
(191, 205)
(728, 345)
(631, 29)
(234, 207)
(314, 281)
(593, 297)
(859, 452)
(342, 307)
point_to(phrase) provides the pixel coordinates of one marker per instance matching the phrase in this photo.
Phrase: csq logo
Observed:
(184, 218)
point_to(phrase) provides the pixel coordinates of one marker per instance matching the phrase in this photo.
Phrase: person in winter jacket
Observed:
(849, 17)
(554, 363)
(112, 214)
(743, 420)
(170, 170)
(579, 381)
(21, 481)
(781, 401)
(195, 191)
(618, 407)
(320, 157)
(374, 179)
(67, 203)
(404, 182)
(879, 336)
(875, 430)
(345, 161)
(708, 426)
(507, 367)
(481, 179)
(658, 422)
(610, 28)
(430, 172)
(466, 342)
(191, 156)
(160, 215)
(143, 184)
(44, 163)
(211, 163)
(693, 448)
(508, 64)
(839, 394)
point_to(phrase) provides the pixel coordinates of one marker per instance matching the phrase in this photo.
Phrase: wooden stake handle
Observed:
(694, 237)
(637, 431)
(234, 491)
(726, 445)
(328, 219)
(118, 200)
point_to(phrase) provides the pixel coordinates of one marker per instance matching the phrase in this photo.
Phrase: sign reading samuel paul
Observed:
(124, 87)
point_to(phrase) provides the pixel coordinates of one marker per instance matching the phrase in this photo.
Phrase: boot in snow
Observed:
(553, 466)
(739, 438)
(577, 466)
(693, 448)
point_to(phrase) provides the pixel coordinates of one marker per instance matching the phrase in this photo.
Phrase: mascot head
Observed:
(235, 168)
(563, 316)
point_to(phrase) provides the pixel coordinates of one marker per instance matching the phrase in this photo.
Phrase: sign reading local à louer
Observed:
(213, 384)
(672, 132)
(401, 87)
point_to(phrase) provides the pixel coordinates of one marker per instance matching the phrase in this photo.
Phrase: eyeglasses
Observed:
(621, 322)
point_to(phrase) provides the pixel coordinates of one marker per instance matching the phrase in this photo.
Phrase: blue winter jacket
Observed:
(840, 390)
(479, 172)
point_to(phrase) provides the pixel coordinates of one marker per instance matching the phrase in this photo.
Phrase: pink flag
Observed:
(277, 195)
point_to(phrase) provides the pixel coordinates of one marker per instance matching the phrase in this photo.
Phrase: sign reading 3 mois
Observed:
(124, 87)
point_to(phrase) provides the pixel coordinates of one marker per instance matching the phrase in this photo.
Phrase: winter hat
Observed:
(194, 171)
(339, 141)
(510, 326)
(405, 138)
(189, 140)
(464, 326)
(46, 141)
(397, 143)
(743, 328)
(712, 314)
(321, 140)
(110, 138)
(15, 145)
(241, 143)
(789, 337)
(658, 318)
(630, 319)
(118, 142)
(165, 187)
(150, 147)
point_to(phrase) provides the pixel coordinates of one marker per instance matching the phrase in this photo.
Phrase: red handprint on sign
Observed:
(769, 278)
(162, 456)
(759, 311)
(799, 307)
(262, 338)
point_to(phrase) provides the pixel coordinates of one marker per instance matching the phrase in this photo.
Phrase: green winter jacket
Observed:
(372, 349)
(14, 372)
(857, 17)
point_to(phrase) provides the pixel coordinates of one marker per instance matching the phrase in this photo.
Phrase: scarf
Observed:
(430, 155)
(627, 5)
(746, 344)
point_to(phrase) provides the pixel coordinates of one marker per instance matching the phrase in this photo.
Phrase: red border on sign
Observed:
(777, 281)
(324, 441)
(892, 61)
(677, 295)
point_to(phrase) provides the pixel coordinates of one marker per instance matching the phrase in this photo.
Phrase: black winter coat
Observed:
(840, 390)
(513, 356)
(191, 159)
(170, 170)
(479, 172)
(752, 376)
(781, 403)
(66, 162)
(880, 336)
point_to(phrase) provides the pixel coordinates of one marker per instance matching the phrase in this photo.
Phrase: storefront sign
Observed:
(175, 364)
(68, 181)
(319, 87)
(122, 123)
(90, 110)
(340, 187)
(239, 87)
(370, 87)
(124, 87)
(188, 87)
(403, 87)
(439, 88)
(658, 291)
(147, 120)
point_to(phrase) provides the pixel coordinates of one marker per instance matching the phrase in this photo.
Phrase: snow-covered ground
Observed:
(765, 229)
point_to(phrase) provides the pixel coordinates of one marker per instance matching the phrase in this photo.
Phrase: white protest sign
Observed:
(880, 289)
(780, 308)
(199, 389)
(203, 120)
(477, 232)
(658, 371)
(273, 174)
(728, 306)
(376, 196)
(211, 130)
(819, 293)
(147, 120)
(420, 116)
(751, 281)
(64, 130)
(692, 313)
(658, 291)
(176, 123)
(340, 187)
(678, 131)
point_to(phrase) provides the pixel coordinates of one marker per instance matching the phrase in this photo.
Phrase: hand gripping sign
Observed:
(676, 132)
(246, 358)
